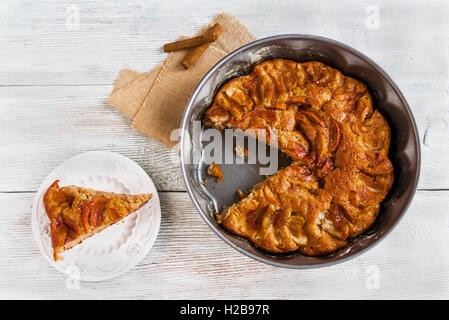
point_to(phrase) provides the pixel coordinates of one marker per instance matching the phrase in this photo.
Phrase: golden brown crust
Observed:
(77, 213)
(341, 172)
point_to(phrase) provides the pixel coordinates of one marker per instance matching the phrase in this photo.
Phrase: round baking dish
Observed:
(404, 150)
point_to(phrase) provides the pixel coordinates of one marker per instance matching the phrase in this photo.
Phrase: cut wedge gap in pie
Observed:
(78, 213)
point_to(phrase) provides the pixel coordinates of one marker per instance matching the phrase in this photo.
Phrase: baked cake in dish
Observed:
(325, 122)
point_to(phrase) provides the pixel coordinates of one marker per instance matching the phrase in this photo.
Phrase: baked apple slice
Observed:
(77, 213)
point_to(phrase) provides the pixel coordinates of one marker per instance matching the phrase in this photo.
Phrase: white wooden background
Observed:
(55, 75)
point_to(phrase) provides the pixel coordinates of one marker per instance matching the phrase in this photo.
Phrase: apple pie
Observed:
(340, 172)
(77, 213)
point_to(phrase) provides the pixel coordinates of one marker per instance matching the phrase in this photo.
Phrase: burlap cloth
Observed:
(156, 100)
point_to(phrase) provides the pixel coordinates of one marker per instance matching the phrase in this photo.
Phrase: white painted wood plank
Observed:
(190, 261)
(42, 126)
(40, 44)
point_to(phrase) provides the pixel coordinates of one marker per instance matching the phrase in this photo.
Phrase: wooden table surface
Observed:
(58, 64)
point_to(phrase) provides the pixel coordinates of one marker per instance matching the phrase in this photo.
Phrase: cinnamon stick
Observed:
(194, 54)
(211, 35)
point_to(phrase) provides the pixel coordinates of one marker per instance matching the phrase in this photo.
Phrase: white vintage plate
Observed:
(118, 248)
